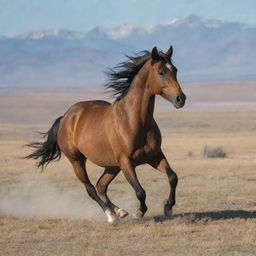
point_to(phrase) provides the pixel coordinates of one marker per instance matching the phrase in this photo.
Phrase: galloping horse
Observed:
(121, 135)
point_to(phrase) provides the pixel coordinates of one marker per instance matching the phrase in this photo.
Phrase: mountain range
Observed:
(204, 50)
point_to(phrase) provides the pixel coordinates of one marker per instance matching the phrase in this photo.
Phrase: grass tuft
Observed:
(214, 152)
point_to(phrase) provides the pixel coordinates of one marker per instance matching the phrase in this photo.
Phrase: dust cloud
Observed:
(35, 197)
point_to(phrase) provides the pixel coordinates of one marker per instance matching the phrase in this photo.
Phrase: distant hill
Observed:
(204, 50)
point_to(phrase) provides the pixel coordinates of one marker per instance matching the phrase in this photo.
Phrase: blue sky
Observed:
(20, 16)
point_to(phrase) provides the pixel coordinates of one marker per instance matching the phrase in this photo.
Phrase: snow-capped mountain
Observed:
(117, 33)
(204, 49)
(191, 22)
(194, 21)
(52, 34)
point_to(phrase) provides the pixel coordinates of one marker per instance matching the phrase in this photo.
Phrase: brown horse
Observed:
(121, 135)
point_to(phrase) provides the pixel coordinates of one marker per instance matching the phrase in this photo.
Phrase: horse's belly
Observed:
(100, 156)
(96, 148)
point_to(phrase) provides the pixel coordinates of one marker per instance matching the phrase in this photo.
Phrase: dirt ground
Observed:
(49, 213)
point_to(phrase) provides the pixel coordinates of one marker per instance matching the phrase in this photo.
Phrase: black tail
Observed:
(49, 149)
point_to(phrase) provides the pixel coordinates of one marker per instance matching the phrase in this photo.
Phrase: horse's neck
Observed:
(139, 103)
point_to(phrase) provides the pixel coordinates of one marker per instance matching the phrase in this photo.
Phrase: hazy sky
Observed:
(19, 16)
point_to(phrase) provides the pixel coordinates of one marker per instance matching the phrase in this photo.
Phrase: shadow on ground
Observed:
(194, 217)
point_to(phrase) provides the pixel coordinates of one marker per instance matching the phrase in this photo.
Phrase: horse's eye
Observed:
(161, 73)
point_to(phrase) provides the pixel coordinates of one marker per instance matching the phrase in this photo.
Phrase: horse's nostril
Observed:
(179, 99)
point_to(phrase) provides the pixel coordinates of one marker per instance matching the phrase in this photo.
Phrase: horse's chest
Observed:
(138, 143)
(148, 146)
(142, 154)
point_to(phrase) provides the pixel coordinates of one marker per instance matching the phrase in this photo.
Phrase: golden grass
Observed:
(49, 213)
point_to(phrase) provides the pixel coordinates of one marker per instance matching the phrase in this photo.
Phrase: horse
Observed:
(120, 135)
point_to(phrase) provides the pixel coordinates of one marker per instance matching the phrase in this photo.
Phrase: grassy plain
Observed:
(50, 213)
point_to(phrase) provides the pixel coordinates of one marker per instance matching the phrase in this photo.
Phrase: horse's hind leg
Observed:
(102, 185)
(80, 171)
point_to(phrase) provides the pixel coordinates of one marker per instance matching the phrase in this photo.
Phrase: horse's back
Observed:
(88, 108)
(92, 104)
(84, 115)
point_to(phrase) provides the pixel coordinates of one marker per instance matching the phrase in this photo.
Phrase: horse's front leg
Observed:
(160, 163)
(129, 172)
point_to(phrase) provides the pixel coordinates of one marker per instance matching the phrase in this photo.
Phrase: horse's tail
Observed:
(48, 150)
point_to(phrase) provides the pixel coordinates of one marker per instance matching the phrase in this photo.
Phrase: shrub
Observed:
(190, 154)
(214, 152)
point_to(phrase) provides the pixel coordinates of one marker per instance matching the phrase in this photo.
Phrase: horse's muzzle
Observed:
(180, 101)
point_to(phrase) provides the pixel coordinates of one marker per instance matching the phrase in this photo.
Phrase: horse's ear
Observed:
(169, 52)
(154, 54)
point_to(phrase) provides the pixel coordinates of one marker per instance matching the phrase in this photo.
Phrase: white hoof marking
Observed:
(111, 218)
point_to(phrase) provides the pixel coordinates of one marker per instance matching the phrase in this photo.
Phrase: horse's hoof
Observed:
(121, 213)
(167, 212)
(114, 222)
(112, 219)
(138, 214)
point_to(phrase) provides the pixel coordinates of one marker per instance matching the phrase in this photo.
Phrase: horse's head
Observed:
(162, 78)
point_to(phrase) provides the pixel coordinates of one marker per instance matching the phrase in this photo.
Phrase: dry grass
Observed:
(49, 213)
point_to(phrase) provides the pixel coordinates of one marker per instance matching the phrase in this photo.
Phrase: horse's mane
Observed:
(120, 77)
